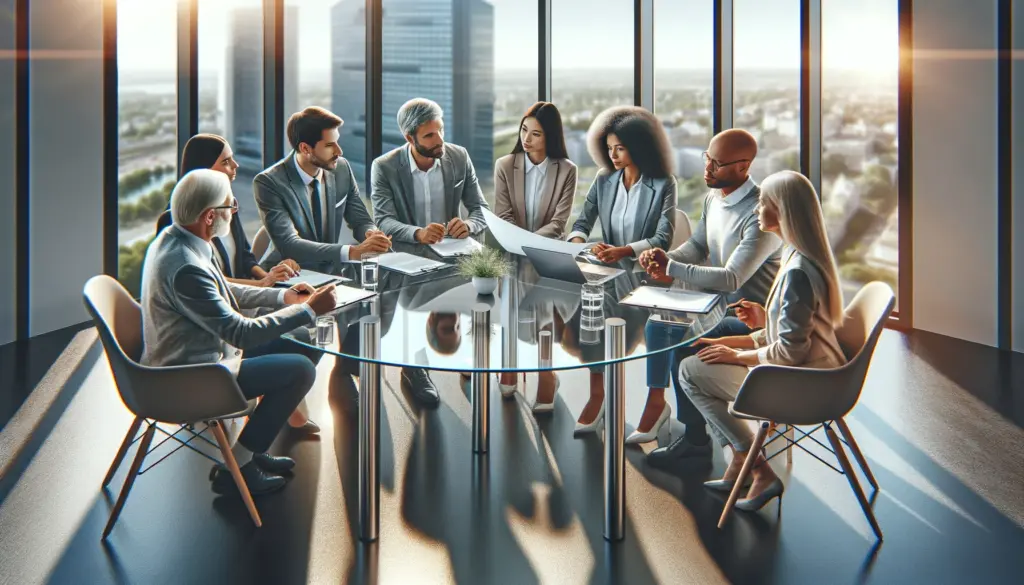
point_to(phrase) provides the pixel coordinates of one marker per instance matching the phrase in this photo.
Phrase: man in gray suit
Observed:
(304, 198)
(416, 190)
(191, 315)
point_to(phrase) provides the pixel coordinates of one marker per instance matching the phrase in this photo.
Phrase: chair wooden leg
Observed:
(128, 438)
(791, 436)
(236, 473)
(844, 462)
(129, 481)
(748, 464)
(845, 430)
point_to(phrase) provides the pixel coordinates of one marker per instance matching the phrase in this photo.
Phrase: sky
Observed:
(586, 34)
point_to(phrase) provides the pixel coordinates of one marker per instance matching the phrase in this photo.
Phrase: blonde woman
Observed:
(796, 329)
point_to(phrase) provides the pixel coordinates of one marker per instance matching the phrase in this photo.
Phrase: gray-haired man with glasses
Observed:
(727, 253)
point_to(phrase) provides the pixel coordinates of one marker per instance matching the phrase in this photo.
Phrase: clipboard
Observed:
(675, 300)
(409, 264)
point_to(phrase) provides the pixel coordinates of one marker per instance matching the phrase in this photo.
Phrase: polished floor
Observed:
(941, 422)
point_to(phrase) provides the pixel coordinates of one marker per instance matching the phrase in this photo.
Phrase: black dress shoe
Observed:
(418, 383)
(679, 451)
(276, 465)
(256, 479)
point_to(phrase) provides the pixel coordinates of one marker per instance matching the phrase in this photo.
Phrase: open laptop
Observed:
(561, 266)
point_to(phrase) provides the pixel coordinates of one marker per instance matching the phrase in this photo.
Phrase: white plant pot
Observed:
(485, 286)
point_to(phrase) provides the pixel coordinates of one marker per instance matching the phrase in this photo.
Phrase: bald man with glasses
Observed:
(727, 253)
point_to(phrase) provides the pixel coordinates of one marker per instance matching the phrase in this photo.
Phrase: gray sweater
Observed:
(738, 258)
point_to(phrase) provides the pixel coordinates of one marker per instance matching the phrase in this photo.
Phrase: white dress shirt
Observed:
(625, 214)
(308, 182)
(535, 175)
(428, 192)
(229, 246)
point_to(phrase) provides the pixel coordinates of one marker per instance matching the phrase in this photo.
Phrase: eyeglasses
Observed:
(233, 207)
(715, 165)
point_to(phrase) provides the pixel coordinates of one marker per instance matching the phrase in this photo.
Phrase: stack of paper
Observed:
(453, 247)
(671, 300)
(410, 264)
(312, 278)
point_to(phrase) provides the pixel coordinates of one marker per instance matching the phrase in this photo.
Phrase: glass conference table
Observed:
(437, 322)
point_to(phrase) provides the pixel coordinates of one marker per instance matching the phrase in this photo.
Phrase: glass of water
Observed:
(325, 330)
(369, 264)
(592, 297)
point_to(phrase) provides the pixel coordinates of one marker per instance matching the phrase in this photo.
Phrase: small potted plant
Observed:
(484, 266)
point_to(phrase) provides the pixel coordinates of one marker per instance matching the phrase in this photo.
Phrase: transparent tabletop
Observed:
(531, 323)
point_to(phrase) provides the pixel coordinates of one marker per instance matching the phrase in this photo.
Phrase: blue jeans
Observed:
(280, 372)
(662, 367)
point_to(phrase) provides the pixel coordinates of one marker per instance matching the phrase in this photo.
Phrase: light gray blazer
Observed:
(189, 311)
(392, 192)
(657, 208)
(798, 329)
(284, 209)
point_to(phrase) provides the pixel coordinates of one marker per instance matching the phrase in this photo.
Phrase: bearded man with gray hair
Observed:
(416, 190)
(192, 315)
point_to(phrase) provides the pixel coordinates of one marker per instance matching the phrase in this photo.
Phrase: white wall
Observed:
(66, 178)
(955, 169)
(1018, 178)
(8, 254)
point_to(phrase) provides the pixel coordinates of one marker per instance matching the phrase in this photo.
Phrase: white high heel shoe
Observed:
(546, 407)
(598, 423)
(508, 390)
(637, 437)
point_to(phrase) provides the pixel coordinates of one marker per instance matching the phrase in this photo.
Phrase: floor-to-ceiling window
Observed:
(442, 50)
(766, 81)
(231, 90)
(860, 58)
(591, 70)
(147, 118)
(684, 61)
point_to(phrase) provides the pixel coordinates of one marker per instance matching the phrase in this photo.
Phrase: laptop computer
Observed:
(561, 266)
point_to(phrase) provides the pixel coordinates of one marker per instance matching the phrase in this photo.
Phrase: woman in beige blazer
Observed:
(533, 188)
(535, 184)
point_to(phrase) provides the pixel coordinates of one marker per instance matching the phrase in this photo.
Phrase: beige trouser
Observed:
(711, 387)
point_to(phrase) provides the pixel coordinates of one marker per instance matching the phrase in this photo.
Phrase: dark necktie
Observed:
(225, 262)
(318, 216)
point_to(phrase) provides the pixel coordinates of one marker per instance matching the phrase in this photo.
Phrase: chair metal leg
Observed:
(128, 438)
(861, 460)
(844, 461)
(129, 481)
(748, 464)
(236, 473)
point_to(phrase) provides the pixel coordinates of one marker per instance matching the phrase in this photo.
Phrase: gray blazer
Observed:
(555, 204)
(392, 192)
(190, 314)
(657, 208)
(284, 209)
(798, 328)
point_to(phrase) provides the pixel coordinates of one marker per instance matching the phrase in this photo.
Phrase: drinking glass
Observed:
(325, 330)
(369, 265)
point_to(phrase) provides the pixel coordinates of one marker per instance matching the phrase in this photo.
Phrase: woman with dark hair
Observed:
(634, 199)
(535, 184)
(233, 252)
(533, 188)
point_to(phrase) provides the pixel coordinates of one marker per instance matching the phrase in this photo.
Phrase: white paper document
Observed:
(512, 238)
(671, 300)
(312, 278)
(410, 264)
(346, 295)
(452, 247)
